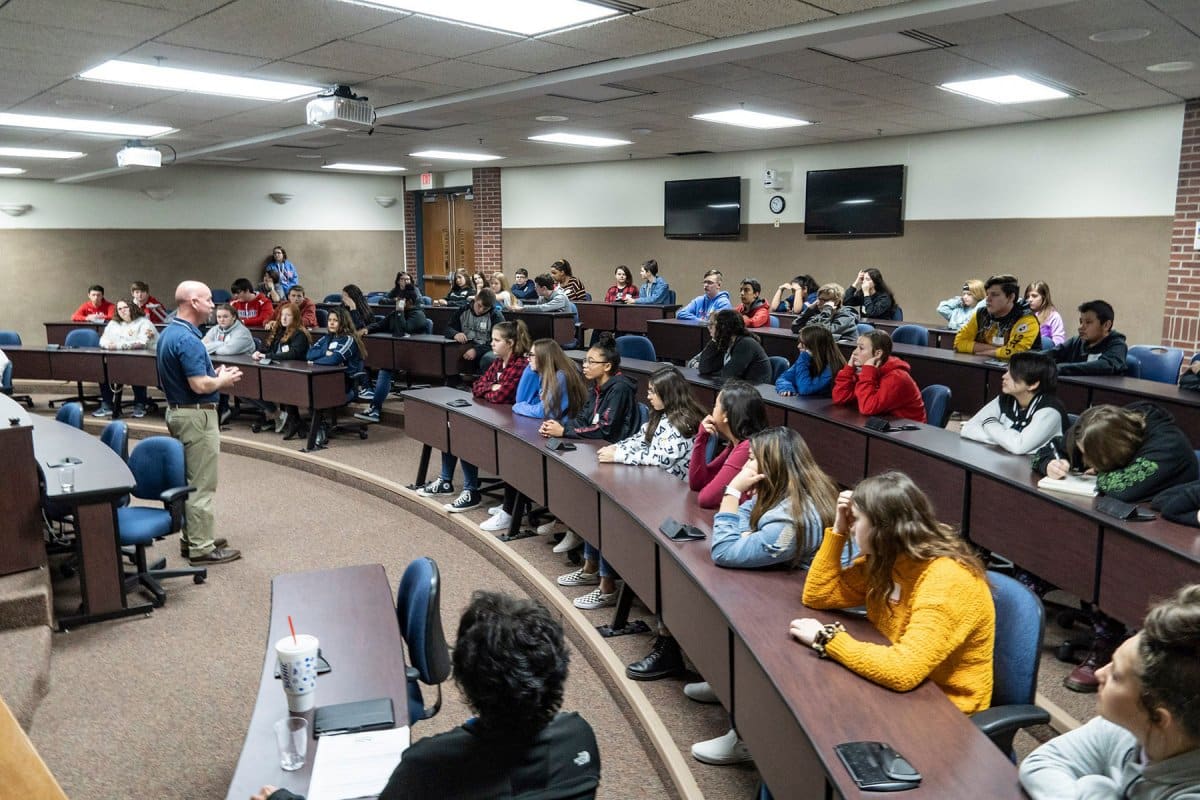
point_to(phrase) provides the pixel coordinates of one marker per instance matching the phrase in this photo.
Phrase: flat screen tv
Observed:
(866, 201)
(708, 208)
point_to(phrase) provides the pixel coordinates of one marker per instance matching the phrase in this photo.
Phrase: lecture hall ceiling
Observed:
(639, 75)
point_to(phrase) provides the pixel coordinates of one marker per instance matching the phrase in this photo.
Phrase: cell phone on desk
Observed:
(265, 361)
(680, 532)
(459, 403)
(559, 445)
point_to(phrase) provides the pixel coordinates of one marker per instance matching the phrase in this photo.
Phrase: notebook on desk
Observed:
(1082, 485)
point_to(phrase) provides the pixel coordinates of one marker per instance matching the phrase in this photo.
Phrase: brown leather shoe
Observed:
(221, 555)
(1083, 678)
(218, 543)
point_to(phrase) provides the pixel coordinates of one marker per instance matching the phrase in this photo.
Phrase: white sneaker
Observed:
(596, 599)
(579, 578)
(494, 510)
(496, 522)
(569, 542)
(550, 528)
(701, 692)
(723, 750)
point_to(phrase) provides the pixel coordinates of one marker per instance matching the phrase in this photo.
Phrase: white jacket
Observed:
(120, 335)
(990, 426)
(668, 448)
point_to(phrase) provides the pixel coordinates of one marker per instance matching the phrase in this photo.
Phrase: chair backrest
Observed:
(1133, 366)
(937, 404)
(897, 313)
(911, 334)
(116, 436)
(587, 297)
(10, 337)
(221, 296)
(670, 297)
(772, 321)
(82, 337)
(634, 346)
(322, 318)
(6, 379)
(1158, 363)
(376, 296)
(1020, 624)
(419, 613)
(428, 326)
(335, 297)
(779, 365)
(864, 327)
(72, 414)
(643, 413)
(157, 465)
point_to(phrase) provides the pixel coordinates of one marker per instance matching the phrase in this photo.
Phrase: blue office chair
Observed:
(428, 327)
(670, 298)
(376, 297)
(1020, 623)
(158, 474)
(221, 296)
(72, 414)
(864, 327)
(1133, 366)
(11, 338)
(937, 404)
(1158, 363)
(779, 365)
(79, 337)
(634, 346)
(335, 297)
(643, 413)
(587, 297)
(116, 436)
(911, 334)
(322, 318)
(897, 313)
(772, 321)
(419, 613)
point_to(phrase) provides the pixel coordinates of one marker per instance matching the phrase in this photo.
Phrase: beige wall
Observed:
(1122, 259)
(45, 273)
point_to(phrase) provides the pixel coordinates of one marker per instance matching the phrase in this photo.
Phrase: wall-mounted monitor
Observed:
(708, 208)
(865, 201)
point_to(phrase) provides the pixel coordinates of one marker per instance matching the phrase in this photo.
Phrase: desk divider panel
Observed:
(841, 451)
(379, 352)
(945, 483)
(132, 369)
(74, 365)
(474, 441)
(427, 423)
(29, 363)
(675, 340)
(597, 316)
(632, 552)
(968, 382)
(286, 386)
(21, 543)
(1186, 416)
(633, 318)
(522, 466)
(1134, 573)
(1052, 542)
(778, 342)
(573, 499)
(250, 386)
(697, 623)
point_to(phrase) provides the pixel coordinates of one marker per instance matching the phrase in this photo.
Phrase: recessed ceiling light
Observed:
(641, 131)
(11, 170)
(1005, 89)
(526, 17)
(351, 167)
(104, 127)
(1171, 66)
(30, 152)
(577, 139)
(552, 118)
(189, 80)
(1120, 35)
(452, 155)
(751, 119)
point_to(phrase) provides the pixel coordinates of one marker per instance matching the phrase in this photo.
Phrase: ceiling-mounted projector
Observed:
(340, 109)
(136, 156)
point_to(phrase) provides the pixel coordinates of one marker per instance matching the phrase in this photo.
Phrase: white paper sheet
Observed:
(356, 765)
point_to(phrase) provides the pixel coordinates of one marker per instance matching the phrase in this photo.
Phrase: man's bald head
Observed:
(194, 301)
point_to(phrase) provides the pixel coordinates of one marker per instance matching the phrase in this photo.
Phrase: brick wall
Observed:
(410, 231)
(1181, 312)
(489, 250)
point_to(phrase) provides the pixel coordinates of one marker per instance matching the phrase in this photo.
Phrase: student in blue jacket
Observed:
(713, 299)
(819, 359)
(342, 346)
(654, 289)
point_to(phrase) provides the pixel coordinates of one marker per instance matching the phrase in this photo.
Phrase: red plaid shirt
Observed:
(507, 378)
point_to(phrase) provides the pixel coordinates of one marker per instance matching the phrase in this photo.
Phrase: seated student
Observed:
(499, 286)
(406, 319)
(461, 290)
(550, 298)
(401, 282)
(802, 288)
(924, 589)
(1004, 326)
(817, 362)
(269, 285)
(497, 385)
(565, 279)
(713, 299)
(1026, 414)
(473, 324)
(253, 308)
(523, 288)
(288, 340)
(478, 281)
(957, 310)
(129, 329)
(877, 382)
(733, 353)
(754, 310)
(1098, 349)
(654, 289)
(305, 307)
(96, 309)
(871, 292)
(1037, 295)
(229, 337)
(829, 312)
(154, 310)
(623, 290)
(1145, 740)
(278, 262)
(1137, 452)
(356, 303)
(510, 660)
(342, 346)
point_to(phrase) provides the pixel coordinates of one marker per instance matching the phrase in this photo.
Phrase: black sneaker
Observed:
(467, 499)
(436, 488)
(370, 415)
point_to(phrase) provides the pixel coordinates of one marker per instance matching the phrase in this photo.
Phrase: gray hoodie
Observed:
(235, 340)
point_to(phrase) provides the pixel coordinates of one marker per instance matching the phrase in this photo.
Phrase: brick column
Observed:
(410, 231)
(489, 252)
(1181, 313)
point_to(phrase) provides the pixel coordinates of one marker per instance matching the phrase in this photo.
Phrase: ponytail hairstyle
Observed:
(606, 345)
(517, 334)
(679, 406)
(563, 266)
(550, 359)
(790, 473)
(823, 350)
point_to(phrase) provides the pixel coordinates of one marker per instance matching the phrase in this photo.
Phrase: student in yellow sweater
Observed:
(1003, 326)
(924, 589)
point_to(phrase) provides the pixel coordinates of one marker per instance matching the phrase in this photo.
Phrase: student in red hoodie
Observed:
(96, 309)
(254, 309)
(148, 303)
(878, 382)
(755, 311)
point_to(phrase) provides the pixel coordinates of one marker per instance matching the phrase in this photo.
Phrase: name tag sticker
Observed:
(997, 340)
(284, 349)
(1093, 356)
(596, 419)
(328, 352)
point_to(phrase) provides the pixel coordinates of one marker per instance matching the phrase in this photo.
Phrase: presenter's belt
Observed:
(204, 406)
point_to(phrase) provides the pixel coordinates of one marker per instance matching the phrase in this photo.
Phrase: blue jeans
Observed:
(592, 554)
(383, 387)
(470, 472)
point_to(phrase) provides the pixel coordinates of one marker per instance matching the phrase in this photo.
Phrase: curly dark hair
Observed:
(727, 327)
(511, 663)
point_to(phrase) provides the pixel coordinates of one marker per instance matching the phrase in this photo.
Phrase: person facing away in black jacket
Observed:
(1098, 349)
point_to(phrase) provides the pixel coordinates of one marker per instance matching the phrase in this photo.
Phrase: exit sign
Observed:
(426, 180)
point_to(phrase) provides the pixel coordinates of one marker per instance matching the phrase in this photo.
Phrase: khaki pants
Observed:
(197, 429)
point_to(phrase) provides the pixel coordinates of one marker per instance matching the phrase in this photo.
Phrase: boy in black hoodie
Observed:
(1098, 349)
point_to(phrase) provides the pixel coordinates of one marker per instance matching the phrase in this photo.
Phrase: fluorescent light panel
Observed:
(1005, 89)
(11, 170)
(751, 119)
(451, 155)
(352, 167)
(578, 139)
(31, 152)
(526, 17)
(104, 127)
(132, 73)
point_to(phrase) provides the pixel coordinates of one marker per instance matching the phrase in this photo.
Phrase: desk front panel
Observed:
(597, 316)
(778, 342)
(523, 467)
(423, 357)
(132, 369)
(633, 318)
(1052, 542)
(1186, 416)
(1136, 572)
(676, 340)
(291, 387)
(427, 423)
(379, 352)
(945, 483)
(695, 621)
(630, 551)
(21, 543)
(75, 365)
(56, 332)
(968, 383)
(474, 441)
(573, 499)
(99, 549)
(440, 316)
(29, 363)
(841, 451)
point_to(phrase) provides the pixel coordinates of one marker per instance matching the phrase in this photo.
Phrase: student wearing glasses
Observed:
(523, 287)
(130, 329)
(712, 300)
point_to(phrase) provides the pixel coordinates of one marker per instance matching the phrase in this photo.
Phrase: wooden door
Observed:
(448, 238)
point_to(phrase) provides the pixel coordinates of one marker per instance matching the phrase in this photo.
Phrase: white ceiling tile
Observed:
(1066, 107)
(1184, 84)
(93, 16)
(87, 47)
(390, 91)
(305, 73)
(850, 6)
(170, 55)
(775, 85)
(1141, 98)
(362, 58)
(461, 74)
(796, 63)
(73, 96)
(1101, 14)
(931, 66)
(420, 34)
(987, 29)
(189, 7)
(720, 18)
(717, 74)
(535, 55)
(1185, 12)
(624, 36)
(1173, 39)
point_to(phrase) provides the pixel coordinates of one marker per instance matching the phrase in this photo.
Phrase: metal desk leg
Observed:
(520, 509)
(314, 425)
(422, 467)
(620, 625)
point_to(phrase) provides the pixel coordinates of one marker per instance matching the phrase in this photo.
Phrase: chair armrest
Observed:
(412, 673)
(174, 499)
(1009, 718)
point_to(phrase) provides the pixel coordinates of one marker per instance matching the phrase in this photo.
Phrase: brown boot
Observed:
(1083, 678)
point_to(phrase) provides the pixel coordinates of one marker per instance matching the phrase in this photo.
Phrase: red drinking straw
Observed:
(292, 628)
